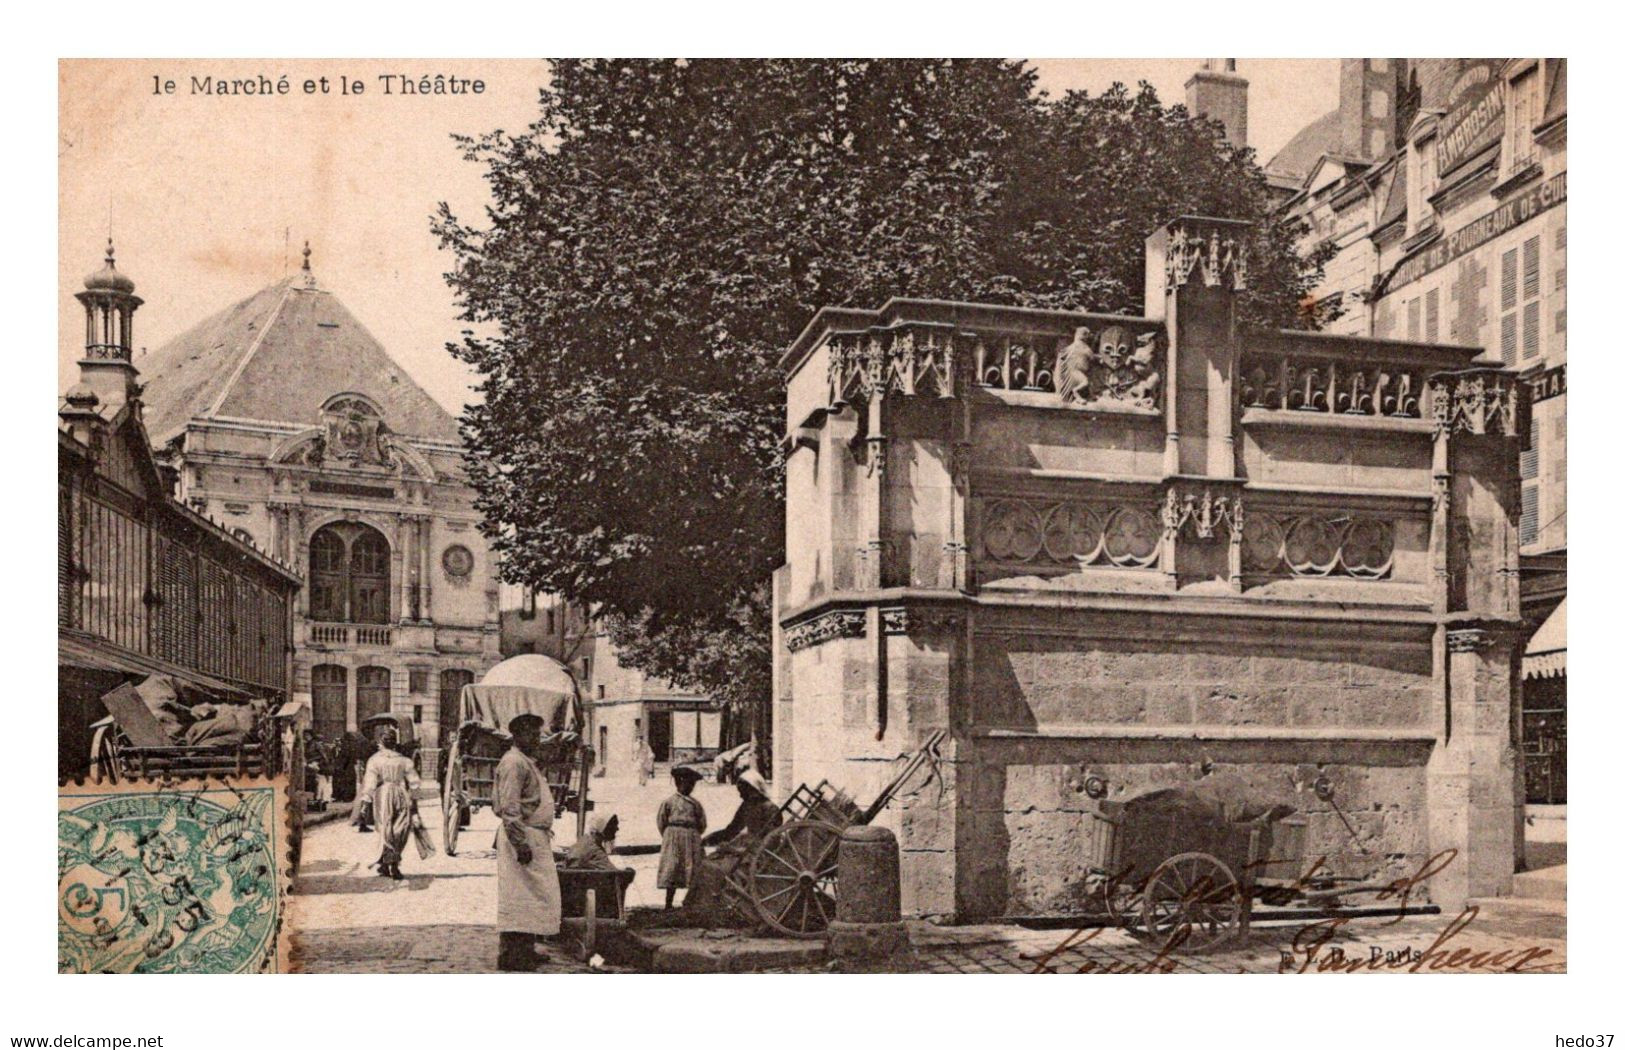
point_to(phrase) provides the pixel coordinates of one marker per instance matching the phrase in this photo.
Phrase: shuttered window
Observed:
(1529, 523)
(1509, 279)
(1509, 338)
(1531, 267)
(1413, 319)
(1529, 460)
(1432, 325)
(1531, 330)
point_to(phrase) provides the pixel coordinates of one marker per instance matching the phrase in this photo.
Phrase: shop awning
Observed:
(88, 651)
(1547, 654)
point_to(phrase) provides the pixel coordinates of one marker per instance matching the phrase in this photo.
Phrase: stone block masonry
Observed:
(1114, 554)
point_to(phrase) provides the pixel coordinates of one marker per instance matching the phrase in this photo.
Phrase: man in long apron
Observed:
(527, 882)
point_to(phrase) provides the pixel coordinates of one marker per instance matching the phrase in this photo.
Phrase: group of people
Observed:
(529, 906)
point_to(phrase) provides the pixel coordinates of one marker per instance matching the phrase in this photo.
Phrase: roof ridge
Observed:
(259, 338)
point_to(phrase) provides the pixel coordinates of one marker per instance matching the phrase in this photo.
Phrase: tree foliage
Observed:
(664, 229)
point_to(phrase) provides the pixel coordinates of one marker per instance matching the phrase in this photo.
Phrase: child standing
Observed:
(681, 821)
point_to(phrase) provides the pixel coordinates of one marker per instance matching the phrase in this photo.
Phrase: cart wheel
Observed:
(1192, 898)
(792, 877)
(104, 756)
(451, 812)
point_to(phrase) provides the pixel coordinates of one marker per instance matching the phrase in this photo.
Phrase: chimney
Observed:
(1217, 93)
(1367, 107)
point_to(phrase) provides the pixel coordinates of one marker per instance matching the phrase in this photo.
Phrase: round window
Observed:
(458, 561)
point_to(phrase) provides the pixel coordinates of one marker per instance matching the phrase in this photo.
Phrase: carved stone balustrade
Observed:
(1334, 386)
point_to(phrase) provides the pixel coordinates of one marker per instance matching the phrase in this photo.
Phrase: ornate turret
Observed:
(106, 369)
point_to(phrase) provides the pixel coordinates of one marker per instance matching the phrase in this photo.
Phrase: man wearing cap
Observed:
(527, 882)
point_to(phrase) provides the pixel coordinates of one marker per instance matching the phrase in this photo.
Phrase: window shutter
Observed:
(1432, 326)
(1529, 460)
(1509, 279)
(1531, 329)
(1531, 267)
(1529, 523)
(1413, 319)
(1561, 322)
(1509, 338)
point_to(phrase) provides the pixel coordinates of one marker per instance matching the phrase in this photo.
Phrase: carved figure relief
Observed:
(355, 433)
(1317, 545)
(1070, 534)
(1111, 372)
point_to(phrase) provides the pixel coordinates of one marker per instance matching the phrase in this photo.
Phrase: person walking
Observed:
(646, 762)
(681, 822)
(528, 903)
(387, 785)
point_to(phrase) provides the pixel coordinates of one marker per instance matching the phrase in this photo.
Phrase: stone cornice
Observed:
(837, 623)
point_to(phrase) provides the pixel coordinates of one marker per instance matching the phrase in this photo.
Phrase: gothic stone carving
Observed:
(1317, 545)
(908, 359)
(1206, 513)
(841, 623)
(1217, 250)
(919, 620)
(1070, 533)
(1477, 400)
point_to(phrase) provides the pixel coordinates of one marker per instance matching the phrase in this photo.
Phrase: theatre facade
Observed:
(1114, 553)
(285, 420)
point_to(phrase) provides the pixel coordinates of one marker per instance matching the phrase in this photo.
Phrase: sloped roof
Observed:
(1317, 138)
(276, 356)
(1557, 97)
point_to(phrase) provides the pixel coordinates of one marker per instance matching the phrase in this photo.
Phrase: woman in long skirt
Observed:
(388, 784)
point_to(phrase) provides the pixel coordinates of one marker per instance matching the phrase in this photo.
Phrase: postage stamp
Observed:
(172, 877)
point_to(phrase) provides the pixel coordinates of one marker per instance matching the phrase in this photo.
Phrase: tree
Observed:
(664, 229)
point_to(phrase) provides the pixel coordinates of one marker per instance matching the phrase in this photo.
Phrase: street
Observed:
(439, 919)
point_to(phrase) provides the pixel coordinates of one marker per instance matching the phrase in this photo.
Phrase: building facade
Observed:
(284, 419)
(1113, 554)
(1444, 184)
(145, 585)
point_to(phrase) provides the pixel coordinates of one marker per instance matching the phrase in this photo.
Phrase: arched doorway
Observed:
(329, 701)
(349, 574)
(451, 689)
(371, 693)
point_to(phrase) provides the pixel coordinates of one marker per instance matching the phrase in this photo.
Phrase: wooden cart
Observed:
(790, 879)
(130, 743)
(529, 684)
(1184, 869)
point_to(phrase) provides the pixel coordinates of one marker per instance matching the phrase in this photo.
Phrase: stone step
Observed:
(1542, 884)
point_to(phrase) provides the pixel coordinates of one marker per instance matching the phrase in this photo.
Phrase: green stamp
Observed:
(180, 879)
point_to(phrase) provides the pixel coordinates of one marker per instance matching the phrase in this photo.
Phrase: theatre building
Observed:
(287, 421)
(1444, 183)
(146, 585)
(1107, 555)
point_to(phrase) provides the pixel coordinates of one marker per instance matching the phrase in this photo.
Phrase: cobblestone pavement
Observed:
(1528, 935)
(440, 919)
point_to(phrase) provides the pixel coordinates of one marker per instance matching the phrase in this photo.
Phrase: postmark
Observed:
(172, 877)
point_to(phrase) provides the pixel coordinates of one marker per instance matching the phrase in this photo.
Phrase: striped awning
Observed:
(1547, 654)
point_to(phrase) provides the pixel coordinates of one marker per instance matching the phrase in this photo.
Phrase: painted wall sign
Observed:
(1446, 249)
(1476, 116)
(1553, 382)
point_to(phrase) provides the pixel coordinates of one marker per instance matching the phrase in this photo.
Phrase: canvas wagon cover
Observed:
(528, 684)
